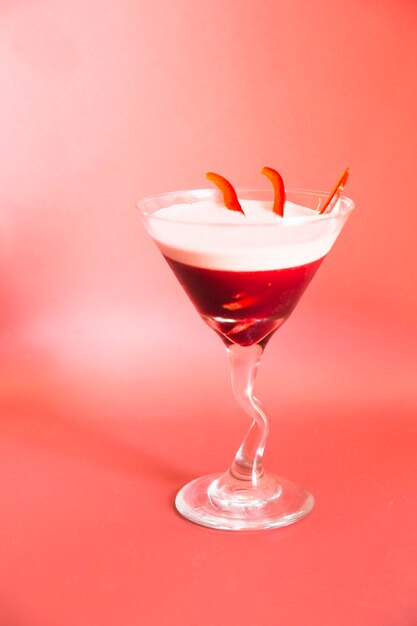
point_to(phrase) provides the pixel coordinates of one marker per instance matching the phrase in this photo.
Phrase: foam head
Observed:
(195, 228)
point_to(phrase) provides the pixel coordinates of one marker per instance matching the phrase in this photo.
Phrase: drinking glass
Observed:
(244, 280)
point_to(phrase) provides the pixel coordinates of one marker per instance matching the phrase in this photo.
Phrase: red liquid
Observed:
(244, 307)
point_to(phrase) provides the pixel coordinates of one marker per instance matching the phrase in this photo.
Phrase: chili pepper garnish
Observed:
(279, 189)
(230, 198)
(337, 191)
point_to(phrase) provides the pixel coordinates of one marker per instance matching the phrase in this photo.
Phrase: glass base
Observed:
(221, 502)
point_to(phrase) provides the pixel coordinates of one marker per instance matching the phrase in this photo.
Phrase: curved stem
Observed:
(244, 497)
(247, 464)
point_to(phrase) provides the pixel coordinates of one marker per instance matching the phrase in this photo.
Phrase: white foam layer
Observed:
(205, 234)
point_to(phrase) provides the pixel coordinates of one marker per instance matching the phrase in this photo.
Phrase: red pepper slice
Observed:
(230, 198)
(243, 303)
(337, 190)
(279, 189)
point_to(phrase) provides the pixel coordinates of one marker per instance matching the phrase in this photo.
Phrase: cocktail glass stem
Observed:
(244, 362)
(245, 484)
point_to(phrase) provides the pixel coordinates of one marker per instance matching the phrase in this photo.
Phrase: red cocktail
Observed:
(244, 307)
(245, 269)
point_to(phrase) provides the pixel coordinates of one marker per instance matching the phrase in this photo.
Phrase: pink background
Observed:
(112, 391)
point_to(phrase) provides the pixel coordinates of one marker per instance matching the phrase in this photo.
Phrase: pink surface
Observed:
(112, 391)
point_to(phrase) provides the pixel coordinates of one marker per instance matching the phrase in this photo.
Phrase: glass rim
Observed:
(347, 206)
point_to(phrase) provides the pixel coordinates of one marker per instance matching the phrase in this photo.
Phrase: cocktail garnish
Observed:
(241, 302)
(242, 326)
(230, 198)
(336, 192)
(279, 189)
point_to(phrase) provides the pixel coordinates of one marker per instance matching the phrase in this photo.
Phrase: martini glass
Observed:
(244, 280)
